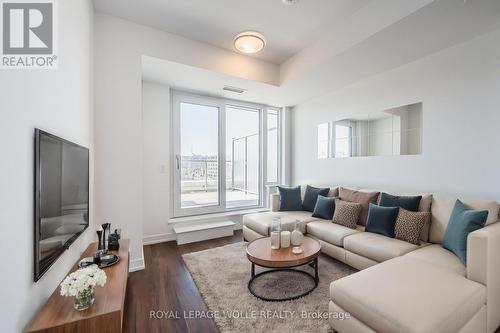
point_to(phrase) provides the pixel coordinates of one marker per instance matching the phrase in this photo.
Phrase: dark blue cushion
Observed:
(381, 220)
(290, 198)
(311, 196)
(325, 207)
(408, 203)
(463, 220)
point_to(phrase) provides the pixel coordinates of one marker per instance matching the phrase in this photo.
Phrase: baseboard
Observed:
(159, 238)
(137, 264)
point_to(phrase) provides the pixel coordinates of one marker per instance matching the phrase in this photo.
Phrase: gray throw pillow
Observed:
(290, 199)
(311, 196)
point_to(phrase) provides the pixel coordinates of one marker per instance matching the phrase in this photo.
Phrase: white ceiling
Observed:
(417, 33)
(288, 29)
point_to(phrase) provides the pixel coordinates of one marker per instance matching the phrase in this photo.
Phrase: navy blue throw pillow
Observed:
(325, 207)
(463, 221)
(290, 198)
(406, 202)
(311, 196)
(381, 220)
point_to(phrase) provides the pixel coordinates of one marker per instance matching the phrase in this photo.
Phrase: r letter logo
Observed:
(28, 32)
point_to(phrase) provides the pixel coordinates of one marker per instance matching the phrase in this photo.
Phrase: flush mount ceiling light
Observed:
(249, 42)
(290, 2)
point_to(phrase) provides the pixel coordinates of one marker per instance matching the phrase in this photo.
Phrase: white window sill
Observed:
(174, 220)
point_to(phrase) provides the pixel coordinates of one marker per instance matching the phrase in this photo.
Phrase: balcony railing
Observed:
(201, 173)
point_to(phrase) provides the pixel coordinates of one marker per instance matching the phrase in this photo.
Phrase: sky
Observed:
(199, 128)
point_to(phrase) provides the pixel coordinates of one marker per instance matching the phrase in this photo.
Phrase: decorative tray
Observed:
(106, 261)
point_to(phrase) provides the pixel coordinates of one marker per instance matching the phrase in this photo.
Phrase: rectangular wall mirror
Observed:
(395, 131)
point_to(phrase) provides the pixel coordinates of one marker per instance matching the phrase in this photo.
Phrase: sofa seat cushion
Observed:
(261, 222)
(409, 295)
(330, 232)
(437, 255)
(377, 247)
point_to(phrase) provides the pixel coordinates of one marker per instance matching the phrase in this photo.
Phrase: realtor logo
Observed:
(28, 33)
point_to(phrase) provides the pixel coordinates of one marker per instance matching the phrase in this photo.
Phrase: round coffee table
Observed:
(259, 253)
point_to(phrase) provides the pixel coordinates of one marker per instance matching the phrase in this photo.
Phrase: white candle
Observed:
(285, 239)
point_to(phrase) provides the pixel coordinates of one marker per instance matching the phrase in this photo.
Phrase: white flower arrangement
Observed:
(83, 280)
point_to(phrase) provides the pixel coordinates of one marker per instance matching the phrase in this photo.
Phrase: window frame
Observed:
(279, 145)
(178, 97)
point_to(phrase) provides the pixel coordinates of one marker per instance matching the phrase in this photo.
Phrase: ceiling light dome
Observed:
(249, 42)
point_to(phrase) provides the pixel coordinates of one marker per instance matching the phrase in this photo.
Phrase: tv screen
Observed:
(61, 197)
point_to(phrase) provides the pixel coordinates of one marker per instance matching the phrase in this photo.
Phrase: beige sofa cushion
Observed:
(437, 255)
(377, 247)
(409, 295)
(425, 206)
(330, 232)
(361, 197)
(441, 211)
(261, 222)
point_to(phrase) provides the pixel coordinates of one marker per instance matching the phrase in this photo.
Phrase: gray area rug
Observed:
(222, 274)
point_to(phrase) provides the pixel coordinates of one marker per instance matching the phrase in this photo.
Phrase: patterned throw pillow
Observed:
(347, 213)
(361, 197)
(409, 225)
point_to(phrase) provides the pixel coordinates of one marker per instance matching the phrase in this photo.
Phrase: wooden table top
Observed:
(259, 252)
(108, 299)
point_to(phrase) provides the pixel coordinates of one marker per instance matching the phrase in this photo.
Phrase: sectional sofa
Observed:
(402, 287)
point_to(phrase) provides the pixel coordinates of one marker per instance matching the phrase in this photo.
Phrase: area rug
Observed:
(221, 275)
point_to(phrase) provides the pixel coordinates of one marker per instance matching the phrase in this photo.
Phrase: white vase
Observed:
(297, 236)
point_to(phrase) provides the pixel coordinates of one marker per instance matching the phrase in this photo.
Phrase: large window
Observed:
(221, 152)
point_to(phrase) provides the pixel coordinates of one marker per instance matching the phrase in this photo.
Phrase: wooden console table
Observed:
(104, 316)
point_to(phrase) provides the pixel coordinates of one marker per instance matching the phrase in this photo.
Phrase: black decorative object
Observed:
(97, 259)
(113, 244)
(100, 243)
(104, 261)
(105, 226)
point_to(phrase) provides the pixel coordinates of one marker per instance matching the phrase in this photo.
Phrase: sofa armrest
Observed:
(483, 266)
(274, 202)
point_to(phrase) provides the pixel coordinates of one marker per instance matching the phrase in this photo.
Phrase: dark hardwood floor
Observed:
(166, 285)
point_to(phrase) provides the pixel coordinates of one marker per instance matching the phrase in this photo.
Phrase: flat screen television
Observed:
(61, 197)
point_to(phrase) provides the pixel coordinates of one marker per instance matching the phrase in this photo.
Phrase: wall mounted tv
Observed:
(61, 197)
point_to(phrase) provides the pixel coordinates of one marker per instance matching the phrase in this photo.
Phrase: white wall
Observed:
(156, 151)
(58, 101)
(459, 90)
(119, 167)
